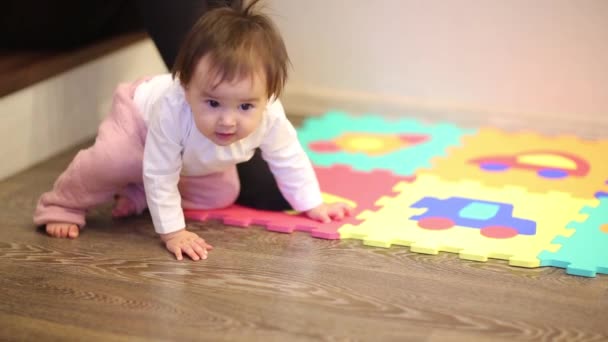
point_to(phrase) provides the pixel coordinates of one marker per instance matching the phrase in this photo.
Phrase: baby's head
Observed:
(231, 64)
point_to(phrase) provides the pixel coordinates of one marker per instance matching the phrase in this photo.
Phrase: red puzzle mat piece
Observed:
(363, 188)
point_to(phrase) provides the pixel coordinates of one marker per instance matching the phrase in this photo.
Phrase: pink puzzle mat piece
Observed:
(362, 188)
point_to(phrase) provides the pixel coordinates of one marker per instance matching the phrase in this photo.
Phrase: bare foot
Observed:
(62, 230)
(123, 207)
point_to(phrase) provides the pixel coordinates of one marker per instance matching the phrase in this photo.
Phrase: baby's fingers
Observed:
(348, 210)
(188, 250)
(340, 210)
(322, 216)
(337, 214)
(178, 253)
(201, 242)
(200, 251)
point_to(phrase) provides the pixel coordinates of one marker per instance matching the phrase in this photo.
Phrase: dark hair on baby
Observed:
(239, 42)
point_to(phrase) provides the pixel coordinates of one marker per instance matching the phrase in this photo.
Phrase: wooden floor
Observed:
(117, 282)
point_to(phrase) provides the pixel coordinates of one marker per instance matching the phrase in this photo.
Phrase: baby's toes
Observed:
(124, 207)
(62, 231)
(117, 212)
(51, 230)
(72, 231)
(54, 230)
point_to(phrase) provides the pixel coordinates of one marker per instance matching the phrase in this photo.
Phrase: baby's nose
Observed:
(227, 119)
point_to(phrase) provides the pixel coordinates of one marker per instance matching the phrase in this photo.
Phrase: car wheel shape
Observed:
(436, 223)
(498, 232)
(494, 166)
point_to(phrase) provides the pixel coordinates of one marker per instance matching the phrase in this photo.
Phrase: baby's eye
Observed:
(246, 106)
(213, 103)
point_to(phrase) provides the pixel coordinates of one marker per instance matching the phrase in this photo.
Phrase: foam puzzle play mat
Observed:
(527, 198)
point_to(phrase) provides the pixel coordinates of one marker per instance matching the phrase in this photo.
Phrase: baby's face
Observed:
(229, 111)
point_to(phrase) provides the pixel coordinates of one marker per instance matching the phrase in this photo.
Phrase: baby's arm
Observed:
(293, 171)
(162, 164)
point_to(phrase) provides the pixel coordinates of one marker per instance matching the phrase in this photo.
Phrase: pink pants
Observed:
(113, 165)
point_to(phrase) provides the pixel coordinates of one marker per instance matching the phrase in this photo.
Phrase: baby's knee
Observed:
(199, 197)
(227, 195)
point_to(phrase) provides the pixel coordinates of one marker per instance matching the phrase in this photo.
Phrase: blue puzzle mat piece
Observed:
(402, 161)
(585, 253)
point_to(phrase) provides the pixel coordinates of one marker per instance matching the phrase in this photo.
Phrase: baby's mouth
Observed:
(224, 136)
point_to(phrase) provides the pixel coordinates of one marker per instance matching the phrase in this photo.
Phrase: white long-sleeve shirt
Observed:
(174, 147)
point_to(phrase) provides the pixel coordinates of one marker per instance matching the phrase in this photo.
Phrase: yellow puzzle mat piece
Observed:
(569, 164)
(392, 223)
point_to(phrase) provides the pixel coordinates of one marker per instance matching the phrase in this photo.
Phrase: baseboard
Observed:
(311, 101)
(51, 116)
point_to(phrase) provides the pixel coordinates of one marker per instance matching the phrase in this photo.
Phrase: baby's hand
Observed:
(183, 241)
(328, 212)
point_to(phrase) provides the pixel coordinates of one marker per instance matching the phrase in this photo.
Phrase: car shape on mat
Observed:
(494, 219)
(547, 164)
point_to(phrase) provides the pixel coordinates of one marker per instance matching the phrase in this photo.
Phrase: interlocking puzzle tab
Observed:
(585, 253)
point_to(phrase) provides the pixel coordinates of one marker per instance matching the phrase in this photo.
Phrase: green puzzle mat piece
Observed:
(584, 253)
(372, 142)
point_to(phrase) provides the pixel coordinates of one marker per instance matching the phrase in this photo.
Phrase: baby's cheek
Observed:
(203, 124)
(253, 122)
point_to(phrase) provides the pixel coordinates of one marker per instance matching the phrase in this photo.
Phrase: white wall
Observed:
(524, 57)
